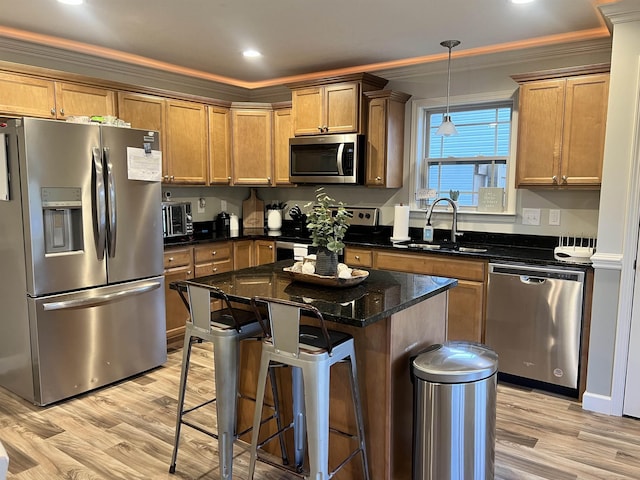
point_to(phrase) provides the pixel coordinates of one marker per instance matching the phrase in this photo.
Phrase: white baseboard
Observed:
(599, 404)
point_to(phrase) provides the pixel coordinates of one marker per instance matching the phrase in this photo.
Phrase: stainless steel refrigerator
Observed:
(81, 285)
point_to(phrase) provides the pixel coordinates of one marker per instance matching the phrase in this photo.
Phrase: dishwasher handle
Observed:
(532, 280)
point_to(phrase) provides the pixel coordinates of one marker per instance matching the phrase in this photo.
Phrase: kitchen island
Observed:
(392, 316)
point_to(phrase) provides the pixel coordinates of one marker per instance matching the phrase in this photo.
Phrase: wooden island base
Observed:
(383, 351)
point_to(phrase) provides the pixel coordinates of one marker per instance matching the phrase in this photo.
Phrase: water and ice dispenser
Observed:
(62, 214)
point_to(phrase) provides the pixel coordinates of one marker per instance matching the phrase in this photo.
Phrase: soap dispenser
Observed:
(427, 233)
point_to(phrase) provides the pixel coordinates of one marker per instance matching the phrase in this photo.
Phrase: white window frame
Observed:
(418, 133)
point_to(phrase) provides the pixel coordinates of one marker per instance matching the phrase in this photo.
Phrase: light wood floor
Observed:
(125, 431)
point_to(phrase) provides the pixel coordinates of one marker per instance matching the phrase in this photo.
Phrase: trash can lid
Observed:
(455, 362)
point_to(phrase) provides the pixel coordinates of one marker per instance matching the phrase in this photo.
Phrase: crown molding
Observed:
(492, 60)
(620, 12)
(17, 51)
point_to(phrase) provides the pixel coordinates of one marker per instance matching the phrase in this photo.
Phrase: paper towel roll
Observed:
(401, 223)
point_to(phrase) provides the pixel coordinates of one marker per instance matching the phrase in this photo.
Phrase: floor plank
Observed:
(126, 431)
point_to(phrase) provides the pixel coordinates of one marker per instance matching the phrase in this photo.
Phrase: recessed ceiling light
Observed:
(521, 1)
(72, 2)
(251, 53)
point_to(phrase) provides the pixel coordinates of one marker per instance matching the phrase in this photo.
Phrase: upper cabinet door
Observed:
(308, 114)
(73, 99)
(186, 143)
(23, 95)
(142, 111)
(282, 132)
(219, 145)
(540, 132)
(585, 120)
(341, 107)
(252, 147)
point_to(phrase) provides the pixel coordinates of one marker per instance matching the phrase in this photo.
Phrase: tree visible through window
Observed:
(476, 158)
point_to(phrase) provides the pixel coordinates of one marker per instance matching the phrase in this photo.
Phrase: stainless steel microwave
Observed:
(176, 219)
(321, 159)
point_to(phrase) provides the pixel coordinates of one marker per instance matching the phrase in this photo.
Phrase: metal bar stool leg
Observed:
(225, 360)
(355, 395)
(316, 396)
(186, 356)
(276, 414)
(299, 425)
(257, 415)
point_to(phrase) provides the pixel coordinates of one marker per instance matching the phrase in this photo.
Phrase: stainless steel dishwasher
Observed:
(534, 322)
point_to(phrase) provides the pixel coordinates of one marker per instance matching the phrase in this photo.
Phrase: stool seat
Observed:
(311, 351)
(225, 328)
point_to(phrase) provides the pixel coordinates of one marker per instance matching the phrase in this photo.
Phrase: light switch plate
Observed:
(531, 216)
(554, 217)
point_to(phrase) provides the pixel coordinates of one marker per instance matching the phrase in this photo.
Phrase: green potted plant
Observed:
(327, 227)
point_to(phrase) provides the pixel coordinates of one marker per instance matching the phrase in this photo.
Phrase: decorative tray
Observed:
(357, 276)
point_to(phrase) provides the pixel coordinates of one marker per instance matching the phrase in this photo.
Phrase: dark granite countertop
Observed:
(380, 295)
(511, 248)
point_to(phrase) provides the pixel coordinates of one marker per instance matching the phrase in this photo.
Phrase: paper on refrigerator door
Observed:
(144, 166)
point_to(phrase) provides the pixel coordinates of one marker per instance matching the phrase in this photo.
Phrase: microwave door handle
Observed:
(99, 202)
(339, 163)
(111, 190)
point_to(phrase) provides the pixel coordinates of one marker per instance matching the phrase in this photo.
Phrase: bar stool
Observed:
(311, 351)
(225, 329)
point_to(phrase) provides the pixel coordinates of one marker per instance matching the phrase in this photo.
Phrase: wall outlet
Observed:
(531, 216)
(554, 217)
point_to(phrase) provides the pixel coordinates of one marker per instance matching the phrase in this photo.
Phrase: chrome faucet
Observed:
(454, 224)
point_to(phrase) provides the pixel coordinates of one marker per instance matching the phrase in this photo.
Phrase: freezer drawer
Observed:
(534, 322)
(84, 340)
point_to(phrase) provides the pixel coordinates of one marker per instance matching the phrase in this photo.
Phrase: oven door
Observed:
(291, 250)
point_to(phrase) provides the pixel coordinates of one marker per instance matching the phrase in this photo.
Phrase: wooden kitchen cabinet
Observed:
(265, 251)
(282, 132)
(561, 127)
(73, 99)
(185, 144)
(213, 258)
(252, 144)
(219, 145)
(38, 97)
(356, 257)
(385, 138)
(332, 105)
(466, 310)
(178, 265)
(250, 253)
(183, 133)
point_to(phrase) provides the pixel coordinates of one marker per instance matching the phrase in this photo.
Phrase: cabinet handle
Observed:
(188, 272)
(270, 247)
(320, 128)
(554, 179)
(564, 179)
(166, 178)
(53, 111)
(213, 253)
(172, 177)
(326, 129)
(214, 269)
(378, 179)
(62, 112)
(229, 179)
(357, 257)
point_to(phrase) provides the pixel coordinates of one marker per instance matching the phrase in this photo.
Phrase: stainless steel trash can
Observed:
(454, 412)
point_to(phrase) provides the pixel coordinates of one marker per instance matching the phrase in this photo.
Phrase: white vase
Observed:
(274, 219)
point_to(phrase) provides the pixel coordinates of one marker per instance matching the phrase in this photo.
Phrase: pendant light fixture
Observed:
(447, 127)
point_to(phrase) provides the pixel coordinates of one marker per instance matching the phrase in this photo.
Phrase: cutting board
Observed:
(253, 211)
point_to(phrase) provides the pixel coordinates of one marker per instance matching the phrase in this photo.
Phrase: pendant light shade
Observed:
(447, 127)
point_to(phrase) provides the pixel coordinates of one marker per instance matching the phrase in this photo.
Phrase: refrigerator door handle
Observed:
(99, 203)
(101, 299)
(111, 190)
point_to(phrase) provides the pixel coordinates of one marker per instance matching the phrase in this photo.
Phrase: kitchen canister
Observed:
(234, 225)
(274, 219)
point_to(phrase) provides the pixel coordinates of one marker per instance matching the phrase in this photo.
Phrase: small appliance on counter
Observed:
(223, 224)
(177, 220)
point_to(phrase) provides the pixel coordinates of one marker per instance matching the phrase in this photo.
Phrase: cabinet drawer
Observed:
(358, 257)
(213, 252)
(431, 265)
(177, 258)
(204, 269)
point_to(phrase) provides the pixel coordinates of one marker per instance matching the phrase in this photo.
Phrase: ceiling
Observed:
(298, 39)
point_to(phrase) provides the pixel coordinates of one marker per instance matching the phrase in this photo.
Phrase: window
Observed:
(473, 163)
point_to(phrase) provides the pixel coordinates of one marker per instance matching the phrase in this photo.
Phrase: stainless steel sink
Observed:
(447, 247)
(424, 246)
